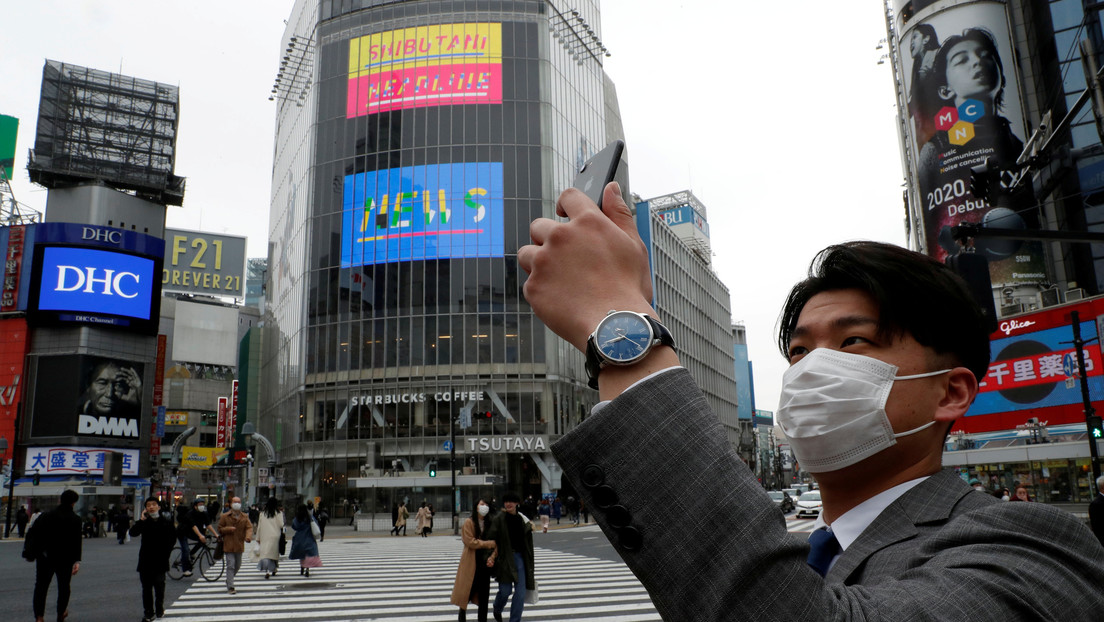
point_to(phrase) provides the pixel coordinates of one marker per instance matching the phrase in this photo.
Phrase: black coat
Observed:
(57, 536)
(158, 540)
(1096, 517)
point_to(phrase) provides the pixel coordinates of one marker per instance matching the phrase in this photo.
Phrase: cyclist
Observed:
(192, 524)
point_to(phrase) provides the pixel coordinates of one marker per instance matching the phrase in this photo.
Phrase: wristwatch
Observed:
(623, 338)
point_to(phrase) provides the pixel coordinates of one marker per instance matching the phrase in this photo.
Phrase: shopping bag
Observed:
(218, 549)
(316, 531)
(256, 551)
(532, 597)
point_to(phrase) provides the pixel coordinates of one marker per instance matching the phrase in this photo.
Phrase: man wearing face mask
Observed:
(236, 531)
(158, 539)
(886, 348)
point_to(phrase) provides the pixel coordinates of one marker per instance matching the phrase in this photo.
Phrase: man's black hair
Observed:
(511, 496)
(69, 497)
(915, 294)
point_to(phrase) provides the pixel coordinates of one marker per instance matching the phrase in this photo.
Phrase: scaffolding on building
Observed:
(13, 212)
(698, 239)
(106, 127)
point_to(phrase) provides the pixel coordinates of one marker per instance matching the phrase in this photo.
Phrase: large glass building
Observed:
(415, 142)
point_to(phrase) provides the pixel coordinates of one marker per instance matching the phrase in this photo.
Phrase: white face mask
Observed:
(235, 506)
(484, 510)
(154, 514)
(201, 508)
(832, 408)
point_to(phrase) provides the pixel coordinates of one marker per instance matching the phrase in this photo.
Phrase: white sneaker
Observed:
(187, 573)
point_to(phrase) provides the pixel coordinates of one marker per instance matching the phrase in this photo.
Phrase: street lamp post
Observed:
(11, 475)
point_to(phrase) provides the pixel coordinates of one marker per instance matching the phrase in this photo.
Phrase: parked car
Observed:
(809, 504)
(784, 501)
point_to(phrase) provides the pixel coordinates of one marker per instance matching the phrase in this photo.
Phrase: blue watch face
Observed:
(623, 337)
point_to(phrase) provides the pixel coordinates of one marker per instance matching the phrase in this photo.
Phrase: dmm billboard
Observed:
(438, 65)
(444, 211)
(83, 395)
(1033, 368)
(964, 106)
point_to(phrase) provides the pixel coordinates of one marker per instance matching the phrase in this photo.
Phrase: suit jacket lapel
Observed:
(931, 500)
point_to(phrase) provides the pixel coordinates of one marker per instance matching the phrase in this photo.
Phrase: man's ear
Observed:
(961, 389)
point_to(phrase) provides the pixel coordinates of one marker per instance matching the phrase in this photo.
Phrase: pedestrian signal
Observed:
(433, 469)
(1096, 427)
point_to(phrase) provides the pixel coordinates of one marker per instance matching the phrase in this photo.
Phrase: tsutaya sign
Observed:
(507, 444)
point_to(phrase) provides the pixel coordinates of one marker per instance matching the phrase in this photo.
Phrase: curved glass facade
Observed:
(415, 142)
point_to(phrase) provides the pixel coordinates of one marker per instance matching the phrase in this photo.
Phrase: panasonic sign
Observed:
(96, 281)
(107, 426)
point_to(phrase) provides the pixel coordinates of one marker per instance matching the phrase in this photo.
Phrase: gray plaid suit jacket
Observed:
(695, 526)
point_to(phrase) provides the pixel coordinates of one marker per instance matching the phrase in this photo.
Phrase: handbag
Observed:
(218, 549)
(532, 597)
(315, 531)
(283, 543)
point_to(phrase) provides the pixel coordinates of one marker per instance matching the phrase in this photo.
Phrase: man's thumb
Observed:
(615, 208)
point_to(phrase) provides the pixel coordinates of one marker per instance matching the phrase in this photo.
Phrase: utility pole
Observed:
(1079, 344)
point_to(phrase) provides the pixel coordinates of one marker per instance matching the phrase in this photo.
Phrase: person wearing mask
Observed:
(473, 575)
(236, 531)
(512, 532)
(158, 539)
(885, 349)
(270, 527)
(54, 544)
(303, 545)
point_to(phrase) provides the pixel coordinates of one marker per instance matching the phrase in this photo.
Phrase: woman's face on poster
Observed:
(972, 72)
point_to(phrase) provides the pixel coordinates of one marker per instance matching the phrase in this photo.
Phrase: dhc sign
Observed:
(96, 281)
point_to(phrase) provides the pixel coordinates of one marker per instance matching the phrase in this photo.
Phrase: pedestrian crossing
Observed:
(405, 579)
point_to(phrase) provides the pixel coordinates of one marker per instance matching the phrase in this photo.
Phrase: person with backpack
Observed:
(54, 544)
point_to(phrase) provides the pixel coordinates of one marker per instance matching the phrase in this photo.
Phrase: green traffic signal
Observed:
(433, 470)
(1096, 427)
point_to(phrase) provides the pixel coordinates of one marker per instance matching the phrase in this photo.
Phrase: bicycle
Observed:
(203, 559)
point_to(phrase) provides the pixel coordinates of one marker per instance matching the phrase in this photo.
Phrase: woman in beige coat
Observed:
(269, 528)
(423, 520)
(473, 576)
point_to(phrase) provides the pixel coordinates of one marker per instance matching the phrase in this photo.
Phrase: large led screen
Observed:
(445, 211)
(84, 395)
(96, 281)
(964, 105)
(1033, 372)
(438, 65)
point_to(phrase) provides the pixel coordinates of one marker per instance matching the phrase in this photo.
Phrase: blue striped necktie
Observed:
(824, 549)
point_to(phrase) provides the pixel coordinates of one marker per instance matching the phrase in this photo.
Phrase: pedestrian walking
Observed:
(101, 523)
(270, 526)
(512, 532)
(586, 511)
(394, 519)
(545, 511)
(557, 509)
(54, 544)
(573, 510)
(356, 510)
(473, 575)
(236, 532)
(158, 539)
(400, 519)
(304, 547)
(121, 523)
(432, 513)
(21, 520)
(321, 516)
(423, 520)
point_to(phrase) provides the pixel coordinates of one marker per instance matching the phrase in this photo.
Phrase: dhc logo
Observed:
(107, 426)
(86, 280)
(110, 236)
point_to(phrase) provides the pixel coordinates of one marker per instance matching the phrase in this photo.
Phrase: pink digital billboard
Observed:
(440, 65)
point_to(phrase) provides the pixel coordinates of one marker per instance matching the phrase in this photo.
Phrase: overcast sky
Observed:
(775, 114)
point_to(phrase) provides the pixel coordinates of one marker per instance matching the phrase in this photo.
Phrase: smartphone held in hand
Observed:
(606, 166)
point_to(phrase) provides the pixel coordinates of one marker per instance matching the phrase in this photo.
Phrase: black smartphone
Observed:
(599, 171)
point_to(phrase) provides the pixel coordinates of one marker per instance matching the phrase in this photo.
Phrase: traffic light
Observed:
(982, 177)
(1096, 427)
(36, 479)
(433, 469)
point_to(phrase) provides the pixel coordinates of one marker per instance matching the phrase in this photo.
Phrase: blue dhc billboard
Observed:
(96, 281)
(440, 211)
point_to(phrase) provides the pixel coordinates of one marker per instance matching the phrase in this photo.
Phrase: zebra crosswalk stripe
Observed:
(402, 580)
